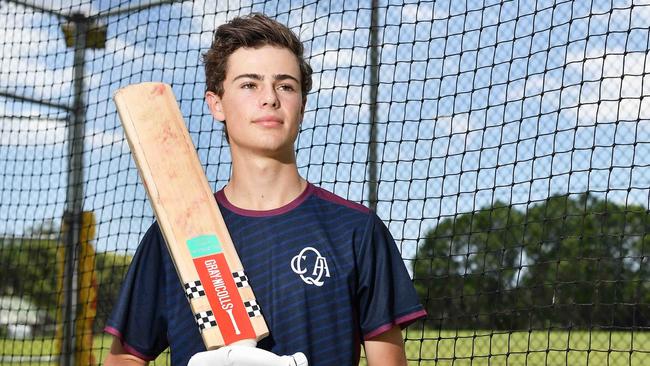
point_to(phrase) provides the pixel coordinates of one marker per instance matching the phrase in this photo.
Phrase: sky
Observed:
(478, 101)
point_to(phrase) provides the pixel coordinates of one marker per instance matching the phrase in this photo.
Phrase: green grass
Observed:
(479, 348)
(39, 347)
(446, 348)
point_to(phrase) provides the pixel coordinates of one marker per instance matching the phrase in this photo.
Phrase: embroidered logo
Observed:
(310, 257)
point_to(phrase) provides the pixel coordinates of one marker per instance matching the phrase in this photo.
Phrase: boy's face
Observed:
(262, 101)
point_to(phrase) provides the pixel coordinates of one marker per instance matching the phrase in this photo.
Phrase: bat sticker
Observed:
(222, 292)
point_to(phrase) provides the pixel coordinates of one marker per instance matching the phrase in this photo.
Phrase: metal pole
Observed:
(81, 26)
(374, 86)
(132, 8)
(74, 200)
(23, 98)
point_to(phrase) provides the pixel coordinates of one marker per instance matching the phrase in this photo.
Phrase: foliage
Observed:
(110, 269)
(32, 267)
(29, 268)
(565, 262)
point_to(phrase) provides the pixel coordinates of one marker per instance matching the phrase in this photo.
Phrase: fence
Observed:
(506, 144)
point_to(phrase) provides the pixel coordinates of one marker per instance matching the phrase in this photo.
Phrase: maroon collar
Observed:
(221, 198)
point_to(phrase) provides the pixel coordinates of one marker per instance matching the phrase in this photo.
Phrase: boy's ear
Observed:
(214, 103)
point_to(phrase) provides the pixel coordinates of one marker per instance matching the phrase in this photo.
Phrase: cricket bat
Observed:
(205, 258)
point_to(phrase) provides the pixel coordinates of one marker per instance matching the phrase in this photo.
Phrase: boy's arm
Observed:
(386, 348)
(119, 356)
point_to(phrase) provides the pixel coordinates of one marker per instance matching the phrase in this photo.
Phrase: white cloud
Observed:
(107, 138)
(34, 131)
(27, 60)
(617, 83)
(38, 131)
(457, 124)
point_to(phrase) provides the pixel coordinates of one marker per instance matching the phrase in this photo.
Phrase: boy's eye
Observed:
(286, 87)
(248, 85)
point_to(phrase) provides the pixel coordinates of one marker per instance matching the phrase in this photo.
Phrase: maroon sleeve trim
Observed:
(127, 348)
(403, 322)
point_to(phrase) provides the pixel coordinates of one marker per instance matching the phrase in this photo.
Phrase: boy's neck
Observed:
(263, 184)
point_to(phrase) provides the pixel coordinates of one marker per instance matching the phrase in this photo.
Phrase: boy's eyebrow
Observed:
(249, 76)
(277, 77)
(285, 77)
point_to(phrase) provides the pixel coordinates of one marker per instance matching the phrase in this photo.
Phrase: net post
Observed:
(374, 86)
(74, 194)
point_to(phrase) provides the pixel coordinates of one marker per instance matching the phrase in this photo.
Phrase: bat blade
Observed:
(197, 237)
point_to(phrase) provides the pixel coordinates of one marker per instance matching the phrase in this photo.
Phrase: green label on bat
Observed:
(203, 245)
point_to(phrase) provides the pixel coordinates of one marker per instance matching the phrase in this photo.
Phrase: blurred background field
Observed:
(464, 348)
(29, 352)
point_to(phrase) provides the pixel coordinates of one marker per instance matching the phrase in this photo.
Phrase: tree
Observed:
(468, 265)
(585, 254)
(110, 269)
(568, 261)
(29, 268)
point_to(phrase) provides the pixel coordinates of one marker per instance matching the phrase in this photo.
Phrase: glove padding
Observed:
(245, 356)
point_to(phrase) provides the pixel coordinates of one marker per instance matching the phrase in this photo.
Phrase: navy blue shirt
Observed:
(325, 271)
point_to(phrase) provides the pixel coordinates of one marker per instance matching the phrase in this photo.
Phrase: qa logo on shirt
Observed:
(310, 259)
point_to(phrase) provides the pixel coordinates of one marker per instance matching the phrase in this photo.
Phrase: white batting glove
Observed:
(245, 356)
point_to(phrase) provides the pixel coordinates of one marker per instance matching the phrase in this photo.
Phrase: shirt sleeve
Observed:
(137, 319)
(386, 294)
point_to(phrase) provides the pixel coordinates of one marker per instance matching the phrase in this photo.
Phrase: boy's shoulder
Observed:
(336, 201)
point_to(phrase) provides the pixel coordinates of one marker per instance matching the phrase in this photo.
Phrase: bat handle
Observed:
(250, 342)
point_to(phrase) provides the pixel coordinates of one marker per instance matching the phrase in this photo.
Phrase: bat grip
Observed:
(251, 342)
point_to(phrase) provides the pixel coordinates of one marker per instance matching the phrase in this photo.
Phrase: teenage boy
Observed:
(325, 271)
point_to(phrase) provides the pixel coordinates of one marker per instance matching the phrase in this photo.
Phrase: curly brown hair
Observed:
(251, 31)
